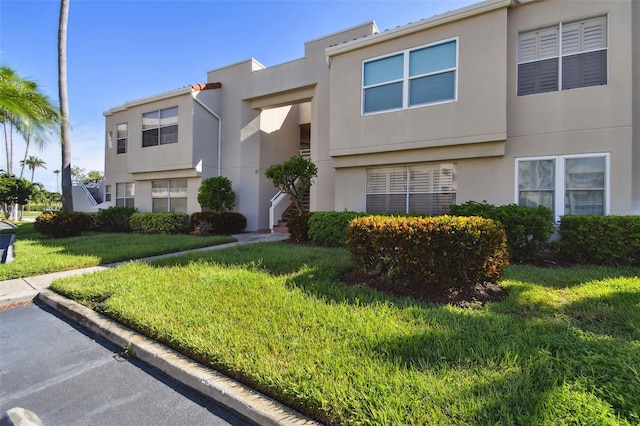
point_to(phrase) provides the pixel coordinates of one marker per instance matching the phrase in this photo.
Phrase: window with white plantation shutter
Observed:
(538, 53)
(426, 189)
(565, 56)
(584, 54)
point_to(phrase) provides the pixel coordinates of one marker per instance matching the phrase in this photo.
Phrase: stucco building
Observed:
(529, 102)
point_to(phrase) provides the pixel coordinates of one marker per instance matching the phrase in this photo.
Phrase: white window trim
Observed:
(560, 55)
(406, 78)
(559, 183)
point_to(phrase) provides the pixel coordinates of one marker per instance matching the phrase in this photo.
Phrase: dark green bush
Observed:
(528, 229)
(62, 225)
(159, 223)
(600, 240)
(298, 226)
(428, 251)
(216, 193)
(330, 228)
(113, 219)
(221, 223)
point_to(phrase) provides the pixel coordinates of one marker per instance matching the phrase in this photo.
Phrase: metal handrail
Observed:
(78, 182)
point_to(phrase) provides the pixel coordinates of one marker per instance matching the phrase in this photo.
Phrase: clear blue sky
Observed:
(121, 50)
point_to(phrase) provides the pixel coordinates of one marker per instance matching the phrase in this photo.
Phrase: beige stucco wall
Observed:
(250, 94)
(194, 156)
(586, 120)
(478, 114)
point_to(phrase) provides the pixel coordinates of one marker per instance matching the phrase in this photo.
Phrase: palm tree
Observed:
(25, 109)
(32, 162)
(65, 131)
(57, 172)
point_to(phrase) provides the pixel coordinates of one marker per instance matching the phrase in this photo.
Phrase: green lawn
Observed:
(563, 348)
(36, 254)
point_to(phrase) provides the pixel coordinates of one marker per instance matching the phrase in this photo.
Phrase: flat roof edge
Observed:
(455, 15)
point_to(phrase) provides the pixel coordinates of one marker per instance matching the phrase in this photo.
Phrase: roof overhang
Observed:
(445, 18)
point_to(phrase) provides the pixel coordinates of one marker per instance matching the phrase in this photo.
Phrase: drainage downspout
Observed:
(217, 117)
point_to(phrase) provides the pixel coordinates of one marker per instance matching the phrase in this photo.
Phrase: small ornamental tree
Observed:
(216, 194)
(294, 177)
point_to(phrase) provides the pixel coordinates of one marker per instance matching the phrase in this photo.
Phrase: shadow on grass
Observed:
(561, 277)
(530, 358)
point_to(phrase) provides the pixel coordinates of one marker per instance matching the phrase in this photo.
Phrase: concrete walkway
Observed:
(229, 393)
(25, 289)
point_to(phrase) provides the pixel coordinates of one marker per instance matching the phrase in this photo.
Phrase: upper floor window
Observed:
(410, 78)
(121, 139)
(160, 127)
(567, 184)
(564, 56)
(426, 189)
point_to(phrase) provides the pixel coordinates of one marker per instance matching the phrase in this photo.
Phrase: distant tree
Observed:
(57, 173)
(14, 192)
(33, 163)
(294, 177)
(93, 178)
(216, 193)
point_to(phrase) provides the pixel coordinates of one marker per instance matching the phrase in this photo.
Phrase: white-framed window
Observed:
(125, 194)
(107, 193)
(426, 189)
(565, 56)
(160, 127)
(421, 76)
(122, 135)
(567, 184)
(169, 195)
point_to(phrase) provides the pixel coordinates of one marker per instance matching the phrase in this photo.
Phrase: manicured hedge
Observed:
(160, 223)
(528, 229)
(600, 240)
(428, 251)
(114, 219)
(298, 226)
(220, 223)
(62, 225)
(330, 228)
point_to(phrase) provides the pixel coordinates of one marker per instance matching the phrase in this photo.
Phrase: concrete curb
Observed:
(234, 395)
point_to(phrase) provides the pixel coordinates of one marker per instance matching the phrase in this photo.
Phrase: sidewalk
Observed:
(24, 289)
(227, 392)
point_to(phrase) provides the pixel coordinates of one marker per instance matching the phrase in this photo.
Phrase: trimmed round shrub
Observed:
(220, 223)
(63, 225)
(216, 193)
(160, 223)
(428, 251)
(114, 219)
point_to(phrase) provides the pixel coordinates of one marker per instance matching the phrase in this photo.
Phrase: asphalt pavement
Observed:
(69, 376)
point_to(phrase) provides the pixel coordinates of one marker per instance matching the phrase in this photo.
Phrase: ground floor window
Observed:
(426, 189)
(125, 193)
(169, 195)
(107, 193)
(567, 184)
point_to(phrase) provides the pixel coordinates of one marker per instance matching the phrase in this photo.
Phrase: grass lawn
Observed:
(36, 254)
(563, 348)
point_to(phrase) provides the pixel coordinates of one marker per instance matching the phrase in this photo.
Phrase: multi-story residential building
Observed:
(529, 102)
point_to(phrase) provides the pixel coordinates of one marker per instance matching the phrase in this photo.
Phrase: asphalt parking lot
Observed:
(68, 376)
